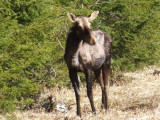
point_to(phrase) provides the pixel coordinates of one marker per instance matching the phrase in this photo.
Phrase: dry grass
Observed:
(136, 100)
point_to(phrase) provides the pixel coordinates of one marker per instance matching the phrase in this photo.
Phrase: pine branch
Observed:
(94, 4)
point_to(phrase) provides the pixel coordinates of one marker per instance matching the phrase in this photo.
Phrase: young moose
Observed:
(88, 51)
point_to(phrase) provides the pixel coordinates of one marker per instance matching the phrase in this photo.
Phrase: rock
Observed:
(156, 72)
(61, 107)
(54, 105)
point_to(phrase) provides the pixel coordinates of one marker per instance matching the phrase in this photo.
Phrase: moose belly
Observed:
(97, 63)
(80, 64)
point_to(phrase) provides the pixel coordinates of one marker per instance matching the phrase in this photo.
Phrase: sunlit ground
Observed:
(139, 99)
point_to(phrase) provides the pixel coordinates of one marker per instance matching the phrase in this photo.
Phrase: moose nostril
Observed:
(79, 28)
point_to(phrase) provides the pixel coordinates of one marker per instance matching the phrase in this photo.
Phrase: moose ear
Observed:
(71, 17)
(93, 15)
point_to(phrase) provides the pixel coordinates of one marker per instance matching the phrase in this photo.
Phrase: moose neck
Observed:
(73, 42)
(74, 37)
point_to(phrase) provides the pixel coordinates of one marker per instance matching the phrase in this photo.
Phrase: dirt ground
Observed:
(138, 99)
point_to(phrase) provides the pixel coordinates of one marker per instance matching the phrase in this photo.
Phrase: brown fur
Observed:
(88, 51)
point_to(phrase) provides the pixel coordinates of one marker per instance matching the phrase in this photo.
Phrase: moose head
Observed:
(82, 26)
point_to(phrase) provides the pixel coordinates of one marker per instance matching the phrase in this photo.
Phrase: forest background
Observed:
(33, 35)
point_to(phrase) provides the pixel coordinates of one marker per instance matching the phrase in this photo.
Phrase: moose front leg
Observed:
(89, 88)
(74, 78)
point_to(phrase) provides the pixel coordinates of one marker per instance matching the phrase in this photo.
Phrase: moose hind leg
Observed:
(105, 72)
(99, 77)
(75, 83)
(89, 88)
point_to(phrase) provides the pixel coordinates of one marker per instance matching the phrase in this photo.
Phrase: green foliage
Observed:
(32, 40)
(21, 10)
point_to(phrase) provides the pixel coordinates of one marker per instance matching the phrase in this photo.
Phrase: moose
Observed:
(86, 51)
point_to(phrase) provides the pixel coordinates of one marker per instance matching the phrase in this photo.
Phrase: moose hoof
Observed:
(94, 112)
(107, 111)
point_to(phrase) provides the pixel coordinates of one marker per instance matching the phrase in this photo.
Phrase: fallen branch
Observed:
(82, 3)
(54, 70)
(59, 41)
